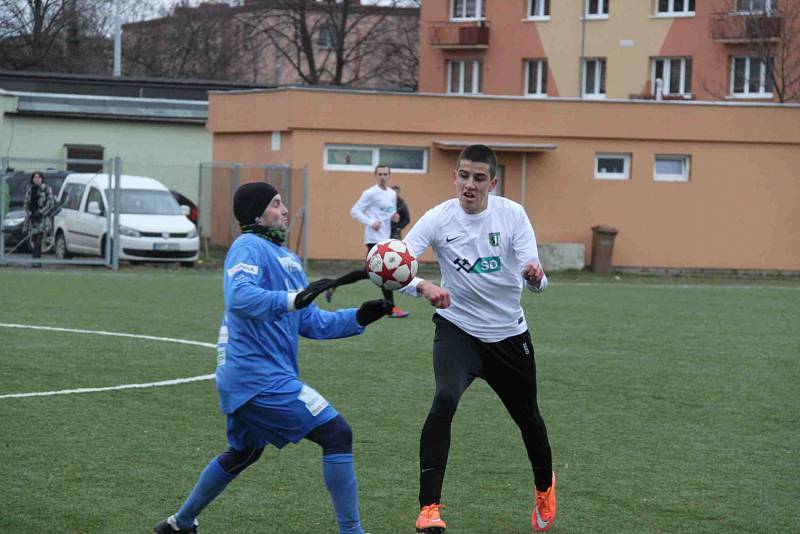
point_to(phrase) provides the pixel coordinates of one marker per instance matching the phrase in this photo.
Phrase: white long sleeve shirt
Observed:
(375, 204)
(481, 258)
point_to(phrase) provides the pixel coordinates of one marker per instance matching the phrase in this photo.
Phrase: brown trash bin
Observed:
(602, 247)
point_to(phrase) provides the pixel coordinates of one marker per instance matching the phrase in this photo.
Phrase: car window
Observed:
(95, 196)
(72, 194)
(16, 188)
(145, 201)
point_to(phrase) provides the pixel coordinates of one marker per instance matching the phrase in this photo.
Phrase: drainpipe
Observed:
(583, 50)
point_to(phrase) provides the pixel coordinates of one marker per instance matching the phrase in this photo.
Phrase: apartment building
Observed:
(618, 49)
(279, 42)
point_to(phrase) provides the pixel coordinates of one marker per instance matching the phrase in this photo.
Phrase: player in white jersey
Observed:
(487, 254)
(376, 208)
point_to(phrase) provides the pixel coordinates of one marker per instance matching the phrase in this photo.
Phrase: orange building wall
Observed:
(738, 211)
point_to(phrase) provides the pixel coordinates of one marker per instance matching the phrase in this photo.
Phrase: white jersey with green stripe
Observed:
(481, 257)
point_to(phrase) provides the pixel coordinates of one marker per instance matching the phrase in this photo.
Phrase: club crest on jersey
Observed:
(494, 239)
(244, 267)
(289, 263)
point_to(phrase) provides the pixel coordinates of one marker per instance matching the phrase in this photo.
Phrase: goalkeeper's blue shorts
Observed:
(278, 419)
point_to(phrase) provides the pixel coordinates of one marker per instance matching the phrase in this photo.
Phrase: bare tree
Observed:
(60, 35)
(768, 33)
(340, 42)
(202, 42)
(30, 30)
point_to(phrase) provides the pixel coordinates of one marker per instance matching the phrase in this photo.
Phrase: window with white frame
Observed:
(756, 6)
(751, 77)
(675, 7)
(671, 168)
(538, 9)
(536, 77)
(464, 77)
(365, 158)
(612, 166)
(468, 9)
(596, 9)
(675, 75)
(594, 78)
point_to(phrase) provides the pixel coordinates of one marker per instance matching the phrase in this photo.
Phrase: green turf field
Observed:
(671, 408)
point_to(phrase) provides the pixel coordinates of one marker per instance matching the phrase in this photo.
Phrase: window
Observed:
(596, 9)
(612, 166)
(675, 7)
(671, 168)
(751, 77)
(365, 158)
(594, 78)
(85, 152)
(95, 196)
(71, 196)
(756, 6)
(538, 9)
(464, 77)
(536, 77)
(326, 38)
(145, 202)
(468, 9)
(675, 75)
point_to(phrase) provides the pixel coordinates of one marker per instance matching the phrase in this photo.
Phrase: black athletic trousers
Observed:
(508, 367)
(388, 296)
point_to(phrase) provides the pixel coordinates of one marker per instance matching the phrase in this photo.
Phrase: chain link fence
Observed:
(174, 217)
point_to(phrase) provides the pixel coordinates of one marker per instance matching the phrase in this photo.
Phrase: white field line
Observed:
(666, 285)
(109, 388)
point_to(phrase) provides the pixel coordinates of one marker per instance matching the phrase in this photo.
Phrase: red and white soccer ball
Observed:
(390, 265)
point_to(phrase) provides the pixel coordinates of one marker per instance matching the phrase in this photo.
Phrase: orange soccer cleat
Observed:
(544, 511)
(429, 521)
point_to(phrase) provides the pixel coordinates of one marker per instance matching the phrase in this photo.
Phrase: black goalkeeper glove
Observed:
(352, 276)
(307, 296)
(372, 310)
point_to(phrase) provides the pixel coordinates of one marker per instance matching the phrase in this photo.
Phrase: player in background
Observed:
(487, 254)
(268, 305)
(375, 209)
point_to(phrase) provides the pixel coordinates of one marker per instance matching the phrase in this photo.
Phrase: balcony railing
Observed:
(459, 36)
(736, 28)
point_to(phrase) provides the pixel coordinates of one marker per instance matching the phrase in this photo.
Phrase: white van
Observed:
(153, 227)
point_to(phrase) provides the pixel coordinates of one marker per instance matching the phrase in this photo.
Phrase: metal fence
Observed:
(217, 184)
(205, 193)
(15, 238)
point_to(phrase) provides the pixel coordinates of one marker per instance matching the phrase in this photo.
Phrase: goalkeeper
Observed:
(268, 305)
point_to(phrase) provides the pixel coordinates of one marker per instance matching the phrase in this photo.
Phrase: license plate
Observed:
(166, 246)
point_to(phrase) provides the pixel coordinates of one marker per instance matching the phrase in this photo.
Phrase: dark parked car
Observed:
(14, 220)
(193, 214)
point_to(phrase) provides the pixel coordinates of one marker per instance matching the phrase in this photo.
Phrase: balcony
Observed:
(459, 36)
(743, 28)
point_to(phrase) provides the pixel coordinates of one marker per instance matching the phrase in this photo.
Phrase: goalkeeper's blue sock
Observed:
(212, 481)
(340, 479)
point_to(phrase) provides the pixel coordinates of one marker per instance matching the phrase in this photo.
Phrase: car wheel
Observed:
(62, 253)
(187, 264)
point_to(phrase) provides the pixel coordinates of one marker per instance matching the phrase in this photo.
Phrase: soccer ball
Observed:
(390, 265)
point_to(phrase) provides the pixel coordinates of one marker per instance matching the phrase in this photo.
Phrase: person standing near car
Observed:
(38, 204)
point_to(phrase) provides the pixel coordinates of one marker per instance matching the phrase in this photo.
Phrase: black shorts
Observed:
(508, 366)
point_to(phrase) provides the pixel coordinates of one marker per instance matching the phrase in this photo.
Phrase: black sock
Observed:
(433, 450)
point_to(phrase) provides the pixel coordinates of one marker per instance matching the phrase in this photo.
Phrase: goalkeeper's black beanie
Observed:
(250, 201)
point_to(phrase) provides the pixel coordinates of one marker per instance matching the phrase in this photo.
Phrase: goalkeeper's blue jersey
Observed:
(257, 346)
